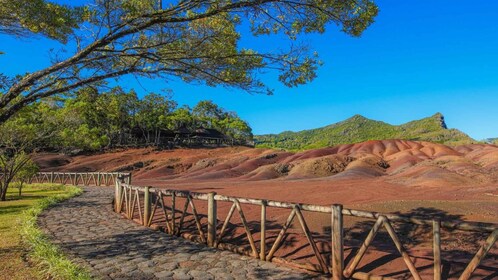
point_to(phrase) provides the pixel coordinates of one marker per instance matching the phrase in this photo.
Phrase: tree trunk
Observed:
(120, 141)
(20, 189)
(4, 185)
(3, 193)
(158, 137)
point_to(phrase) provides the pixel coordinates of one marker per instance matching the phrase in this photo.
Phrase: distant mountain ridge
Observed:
(359, 129)
(491, 140)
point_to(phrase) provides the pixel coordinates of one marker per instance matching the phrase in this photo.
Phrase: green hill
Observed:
(491, 140)
(358, 129)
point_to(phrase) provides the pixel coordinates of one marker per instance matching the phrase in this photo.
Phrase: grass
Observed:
(20, 237)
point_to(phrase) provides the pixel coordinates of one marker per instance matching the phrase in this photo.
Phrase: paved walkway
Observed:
(111, 247)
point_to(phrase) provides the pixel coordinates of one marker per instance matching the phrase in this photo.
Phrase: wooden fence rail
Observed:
(147, 201)
(81, 178)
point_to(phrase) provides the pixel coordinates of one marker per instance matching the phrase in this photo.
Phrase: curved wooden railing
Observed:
(146, 202)
(81, 178)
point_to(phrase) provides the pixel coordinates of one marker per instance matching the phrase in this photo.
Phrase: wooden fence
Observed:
(150, 202)
(81, 178)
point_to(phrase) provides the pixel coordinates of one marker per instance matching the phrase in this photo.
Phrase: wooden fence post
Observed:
(436, 231)
(51, 177)
(262, 249)
(128, 179)
(337, 243)
(98, 179)
(173, 213)
(479, 256)
(146, 206)
(117, 196)
(211, 233)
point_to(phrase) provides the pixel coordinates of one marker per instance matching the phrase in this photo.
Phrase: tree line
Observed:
(90, 119)
(93, 120)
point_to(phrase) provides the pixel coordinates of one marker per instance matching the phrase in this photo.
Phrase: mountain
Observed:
(491, 140)
(358, 129)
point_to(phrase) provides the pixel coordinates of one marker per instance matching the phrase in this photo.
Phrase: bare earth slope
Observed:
(378, 172)
(412, 178)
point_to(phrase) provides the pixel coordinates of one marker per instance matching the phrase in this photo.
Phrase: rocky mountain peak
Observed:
(440, 118)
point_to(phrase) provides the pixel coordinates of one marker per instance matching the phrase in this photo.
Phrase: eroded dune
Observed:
(399, 161)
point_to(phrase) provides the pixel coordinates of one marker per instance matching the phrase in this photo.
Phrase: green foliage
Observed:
(16, 142)
(136, 7)
(198, 42)
(180, 118)
(90, 120)
(82, 137)
(21, 130)
(358, 129)
(29, 169)
(151, 115)
(235, 127)
(49, 257)
(39, 16)
(209, 115)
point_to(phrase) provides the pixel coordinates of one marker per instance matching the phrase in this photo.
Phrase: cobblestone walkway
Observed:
(111, 247)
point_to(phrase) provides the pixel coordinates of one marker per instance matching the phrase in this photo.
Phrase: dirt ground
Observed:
(411, 178)
(385, 176)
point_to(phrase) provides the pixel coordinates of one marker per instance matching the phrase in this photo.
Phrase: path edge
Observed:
(40, 252)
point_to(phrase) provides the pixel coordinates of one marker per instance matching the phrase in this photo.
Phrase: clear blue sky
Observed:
(419, 57)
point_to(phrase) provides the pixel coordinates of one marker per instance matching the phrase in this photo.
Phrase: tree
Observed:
(181, 117)
(20, 18)
(25, 174)
(197, 41)
(236, 128)
(91, 121)
(152, 115)
(15, 145)
(11, 163)
(207, 114)
(79, 123)
(116, 109)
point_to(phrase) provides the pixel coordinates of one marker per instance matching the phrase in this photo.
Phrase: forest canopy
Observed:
(92, 120)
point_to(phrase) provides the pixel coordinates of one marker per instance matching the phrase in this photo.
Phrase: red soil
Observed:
(459, 183)
(373, 171)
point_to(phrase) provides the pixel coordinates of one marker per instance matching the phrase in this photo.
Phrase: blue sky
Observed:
(419, 57)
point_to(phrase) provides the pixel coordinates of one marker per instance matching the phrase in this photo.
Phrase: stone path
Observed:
(111, 247)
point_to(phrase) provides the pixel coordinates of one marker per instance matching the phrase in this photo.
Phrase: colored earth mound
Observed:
(409, 163)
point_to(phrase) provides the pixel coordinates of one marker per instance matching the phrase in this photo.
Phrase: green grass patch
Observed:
(20, 236)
